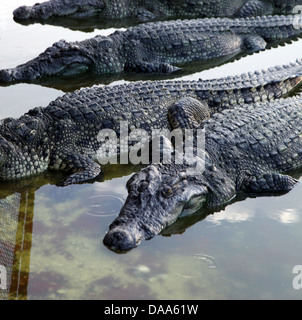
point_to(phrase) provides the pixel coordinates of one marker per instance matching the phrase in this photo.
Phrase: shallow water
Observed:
(246, 251)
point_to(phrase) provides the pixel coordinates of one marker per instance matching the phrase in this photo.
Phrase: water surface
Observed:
(246, 251)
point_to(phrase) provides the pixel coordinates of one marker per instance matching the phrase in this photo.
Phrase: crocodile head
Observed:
(66, 59)
(158, 195)
(98, 55)
(62, 58)
(48, 9)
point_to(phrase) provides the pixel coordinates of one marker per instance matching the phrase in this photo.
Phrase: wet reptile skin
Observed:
(146, 10)
(247, 149)
(63, 136)
(156, 47)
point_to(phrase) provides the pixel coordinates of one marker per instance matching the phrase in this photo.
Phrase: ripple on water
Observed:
(209, 260)
(105, 205)
(197, 260)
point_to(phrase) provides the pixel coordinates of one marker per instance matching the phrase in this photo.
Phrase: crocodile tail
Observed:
(274, 28)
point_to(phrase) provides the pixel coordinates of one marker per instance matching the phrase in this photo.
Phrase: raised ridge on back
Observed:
(64, 135)
(156, 47)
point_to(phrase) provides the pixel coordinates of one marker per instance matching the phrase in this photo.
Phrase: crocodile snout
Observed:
(5, 76)
(22, 13)
(120, 240)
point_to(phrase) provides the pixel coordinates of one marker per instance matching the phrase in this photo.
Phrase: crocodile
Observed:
(147, 10)
(157, 47)
(64, 136)
(249, 150)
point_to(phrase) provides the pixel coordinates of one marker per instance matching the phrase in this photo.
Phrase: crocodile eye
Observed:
(166, 193)
(143, 186)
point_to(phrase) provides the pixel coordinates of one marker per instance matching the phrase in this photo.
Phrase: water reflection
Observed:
(16, 227)
(72, 83)
(236, 211)
(83, 24)
(286, 216)
(17, 207)
(16, 218)
(237, 215)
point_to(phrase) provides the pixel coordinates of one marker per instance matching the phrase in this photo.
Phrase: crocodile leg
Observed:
(268, 182)
(255, 8)
(144, 15)
(254, 43)
(188, 113)
(83, 168)
(150, 67)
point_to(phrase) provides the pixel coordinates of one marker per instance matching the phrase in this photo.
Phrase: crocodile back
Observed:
(257, 138)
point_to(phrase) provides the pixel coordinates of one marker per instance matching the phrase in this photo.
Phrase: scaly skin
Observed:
(247, 149)
(158, 47)
(147, 10)
(64, 135)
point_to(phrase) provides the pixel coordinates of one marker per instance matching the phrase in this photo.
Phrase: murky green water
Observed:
(246, 251)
